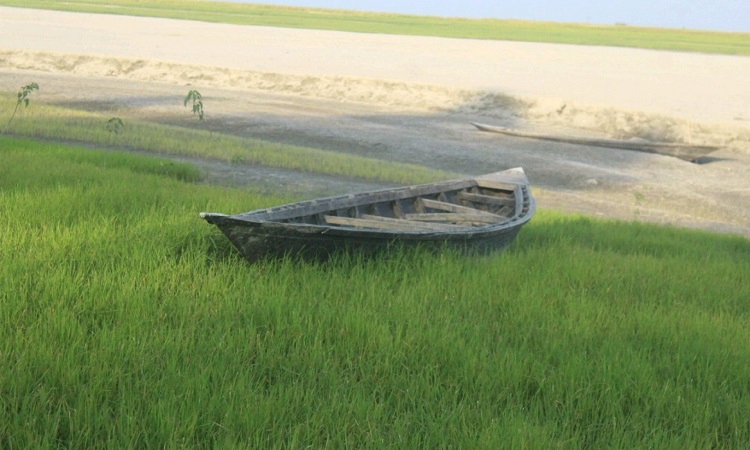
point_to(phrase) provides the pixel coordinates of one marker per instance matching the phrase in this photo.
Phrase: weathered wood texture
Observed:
(477, 215)
(687, 152)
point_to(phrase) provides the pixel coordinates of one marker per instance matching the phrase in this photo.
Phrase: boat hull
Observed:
(686, 152)
(273, 232)
(263, 240)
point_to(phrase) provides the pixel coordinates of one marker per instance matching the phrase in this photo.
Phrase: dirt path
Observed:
(419, 118)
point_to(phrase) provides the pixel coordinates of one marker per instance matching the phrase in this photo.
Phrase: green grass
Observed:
(514, 30)
(127, 322)
(42, 121)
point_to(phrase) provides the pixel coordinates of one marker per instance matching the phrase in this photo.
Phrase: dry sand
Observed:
(411, 99)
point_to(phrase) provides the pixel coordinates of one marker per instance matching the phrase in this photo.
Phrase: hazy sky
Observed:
(720, 15)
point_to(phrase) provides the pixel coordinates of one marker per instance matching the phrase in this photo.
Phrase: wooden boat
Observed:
(686, 152)
(477, 215)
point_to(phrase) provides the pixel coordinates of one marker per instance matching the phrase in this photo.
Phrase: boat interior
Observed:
(483, 202)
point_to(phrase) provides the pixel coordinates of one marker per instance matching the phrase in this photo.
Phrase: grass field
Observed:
(514, 30)
(127, 322)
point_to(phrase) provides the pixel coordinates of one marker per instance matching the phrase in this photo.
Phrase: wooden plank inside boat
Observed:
(414, 223)
(382, 223)
(450, 207)
(496, 185)
(464, 219)
(486, 199)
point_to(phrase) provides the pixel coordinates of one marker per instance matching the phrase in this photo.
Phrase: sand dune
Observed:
(404, 96)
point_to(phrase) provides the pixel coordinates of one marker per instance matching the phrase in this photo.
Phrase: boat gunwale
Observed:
(321, 205)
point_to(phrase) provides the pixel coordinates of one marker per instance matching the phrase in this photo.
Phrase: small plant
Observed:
(115, 125)
(23, 97)
(197, 100)
(639, 198)
(236, 160)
